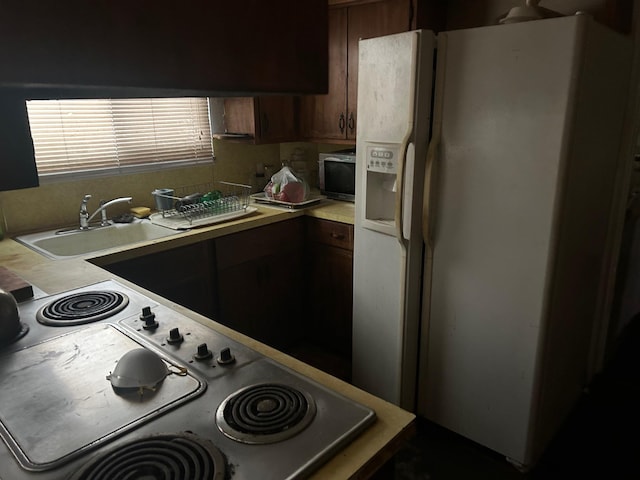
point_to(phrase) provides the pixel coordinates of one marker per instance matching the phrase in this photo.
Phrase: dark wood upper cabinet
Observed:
(17, 165)
(324, 116)
(368, 21)
(333, 117)
(266, 119)
(162, 48)
(617, 14)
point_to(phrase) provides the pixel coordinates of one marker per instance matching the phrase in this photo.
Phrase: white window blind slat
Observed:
(83, 136)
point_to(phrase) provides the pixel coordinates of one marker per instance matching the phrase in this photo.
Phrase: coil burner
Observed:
(265, 413)
(168, 456)
(226, 411)
(81, 308)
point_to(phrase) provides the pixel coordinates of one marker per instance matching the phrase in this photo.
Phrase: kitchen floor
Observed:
(601, 438)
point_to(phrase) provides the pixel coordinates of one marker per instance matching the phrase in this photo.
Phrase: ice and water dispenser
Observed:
(383, 166)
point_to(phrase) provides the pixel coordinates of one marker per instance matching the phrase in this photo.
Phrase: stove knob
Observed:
(175, 336)
(149, 319)
(225, 357)
(203, 352)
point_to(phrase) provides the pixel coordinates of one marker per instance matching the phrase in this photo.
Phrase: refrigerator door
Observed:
(394, 95)
(507, 174)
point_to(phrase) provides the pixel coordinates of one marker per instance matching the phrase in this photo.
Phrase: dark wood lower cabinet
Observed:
(287, 284)
(330, 288)
(329, 274)
(183, 275)
(261, 284)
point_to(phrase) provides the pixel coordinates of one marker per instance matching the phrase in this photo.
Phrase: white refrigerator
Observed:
(486, 164)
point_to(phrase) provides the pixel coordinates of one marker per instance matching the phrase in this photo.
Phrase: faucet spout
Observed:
(85, 218)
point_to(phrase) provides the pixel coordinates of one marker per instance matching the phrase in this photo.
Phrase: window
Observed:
(80, 138)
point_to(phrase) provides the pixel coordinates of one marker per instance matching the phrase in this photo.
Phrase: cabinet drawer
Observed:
(331, 233)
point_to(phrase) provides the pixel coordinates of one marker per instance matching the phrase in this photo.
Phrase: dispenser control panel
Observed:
(382, 158)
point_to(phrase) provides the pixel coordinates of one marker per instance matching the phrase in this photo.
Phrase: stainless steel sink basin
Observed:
(59, 244)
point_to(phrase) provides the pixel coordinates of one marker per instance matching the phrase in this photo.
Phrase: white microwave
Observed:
(337, 174)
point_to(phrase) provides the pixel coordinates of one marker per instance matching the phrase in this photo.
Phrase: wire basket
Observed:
(195, 202)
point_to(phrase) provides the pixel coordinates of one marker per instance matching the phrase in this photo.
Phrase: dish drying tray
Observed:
(230, 201)
(263, 198)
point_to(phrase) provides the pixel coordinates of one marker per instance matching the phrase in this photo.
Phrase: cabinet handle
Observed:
(341, 123)
(265, 123)
(352, 122)
(337, 236)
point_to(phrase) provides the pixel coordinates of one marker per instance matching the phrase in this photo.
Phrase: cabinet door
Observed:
(260, 282)
(331, 293)
(18, 163)
(265, 119)
(330, 273)
(282, 318)
(332, 117)
(261, 298)
(239, 290)
(183, 275)
(120, 49)
(277, 119)
(367, 21)
(240, 115)
(324, 116)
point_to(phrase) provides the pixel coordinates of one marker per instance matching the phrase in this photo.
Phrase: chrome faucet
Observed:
(85, 218)
(84, 214)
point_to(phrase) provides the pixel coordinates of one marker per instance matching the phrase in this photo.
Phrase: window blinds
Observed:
(83, 136)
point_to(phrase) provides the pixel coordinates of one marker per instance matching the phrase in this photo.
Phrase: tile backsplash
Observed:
(57, 204)
(241, 163)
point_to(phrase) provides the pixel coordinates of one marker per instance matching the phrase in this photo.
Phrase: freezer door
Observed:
(394, 99)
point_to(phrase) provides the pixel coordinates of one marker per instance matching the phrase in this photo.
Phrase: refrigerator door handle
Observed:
(429, 199)
(430, 175)
(407, 188)
(400, 178)
(400, 187)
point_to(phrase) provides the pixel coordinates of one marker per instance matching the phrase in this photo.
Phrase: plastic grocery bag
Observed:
(286, 186)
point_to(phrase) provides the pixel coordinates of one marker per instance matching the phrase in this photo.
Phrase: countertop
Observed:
(360, 458)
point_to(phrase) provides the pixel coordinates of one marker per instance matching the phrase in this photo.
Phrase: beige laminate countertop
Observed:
(357, 460)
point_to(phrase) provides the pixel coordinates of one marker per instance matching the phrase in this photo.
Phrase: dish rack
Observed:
(204, 204)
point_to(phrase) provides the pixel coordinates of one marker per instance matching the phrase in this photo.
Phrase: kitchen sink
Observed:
(59, 244)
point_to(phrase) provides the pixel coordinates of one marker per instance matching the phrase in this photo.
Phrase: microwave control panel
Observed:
(383, 158)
